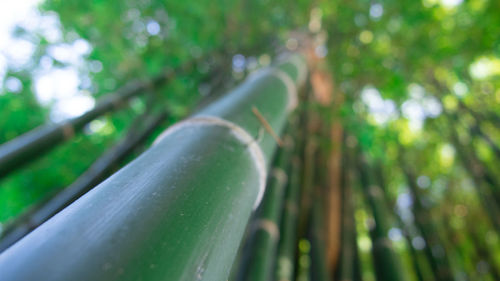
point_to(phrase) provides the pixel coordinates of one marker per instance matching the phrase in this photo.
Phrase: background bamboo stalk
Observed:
(439, 262)
(319, 263)
(404, 227)
(262, 253)
(41, 140)
(287, 247)
(386, 263)
(348, 251)
(476, 170)
(99, 170)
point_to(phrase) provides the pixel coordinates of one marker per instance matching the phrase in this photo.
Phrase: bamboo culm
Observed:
(485, 191)
(440, 264)
(346, 265)
(97, 172)
(287, 246)
(35, 143)
(180, 209)
(262, 253)
(319, 268)
(386, 263)
(405, 229)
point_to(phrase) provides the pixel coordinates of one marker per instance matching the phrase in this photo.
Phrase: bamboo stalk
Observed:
(35, 143)
(349, 267)
(482, 250)
(287, 247)
(485, 190)
(312, 122)
(386, 263)
(99, 170)
(262, 253)
(346, 265)
(319, 268)
(405, 229)
(334, 194)
(440, 264)
(178, 211)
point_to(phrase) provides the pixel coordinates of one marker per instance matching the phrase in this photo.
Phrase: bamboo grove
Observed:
(276, 141)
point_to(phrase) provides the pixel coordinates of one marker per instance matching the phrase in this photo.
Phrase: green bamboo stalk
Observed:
(303, 260)
(483, 253)
(35, 143)
(405, 229)
(477, 130)
(265, 239)
(440, 264)
(309, 151)
(97, 172)
(179, 210)
(358, 269)
(287, 247)
(488, 177)
(386, 263)
(347, 254)
(319, 269)
(485, 191)
(349, 267)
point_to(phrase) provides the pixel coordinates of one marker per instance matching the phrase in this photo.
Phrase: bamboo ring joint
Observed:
(241, 135)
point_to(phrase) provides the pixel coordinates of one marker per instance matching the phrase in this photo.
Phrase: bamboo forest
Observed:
(250, 140)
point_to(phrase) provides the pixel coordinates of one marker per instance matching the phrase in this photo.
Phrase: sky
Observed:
(59, 88)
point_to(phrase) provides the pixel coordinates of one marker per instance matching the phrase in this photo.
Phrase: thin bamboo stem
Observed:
(39, 141)
(99, 170)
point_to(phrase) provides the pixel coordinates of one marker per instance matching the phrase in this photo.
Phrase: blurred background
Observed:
(414, 85)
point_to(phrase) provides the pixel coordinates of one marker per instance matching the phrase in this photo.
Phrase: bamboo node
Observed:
(239, 133)
(117, 103)
(268, 226)
(280, 175)
(68, 131)
(291, 207)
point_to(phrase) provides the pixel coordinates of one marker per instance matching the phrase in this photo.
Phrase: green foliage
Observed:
(424, 56)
